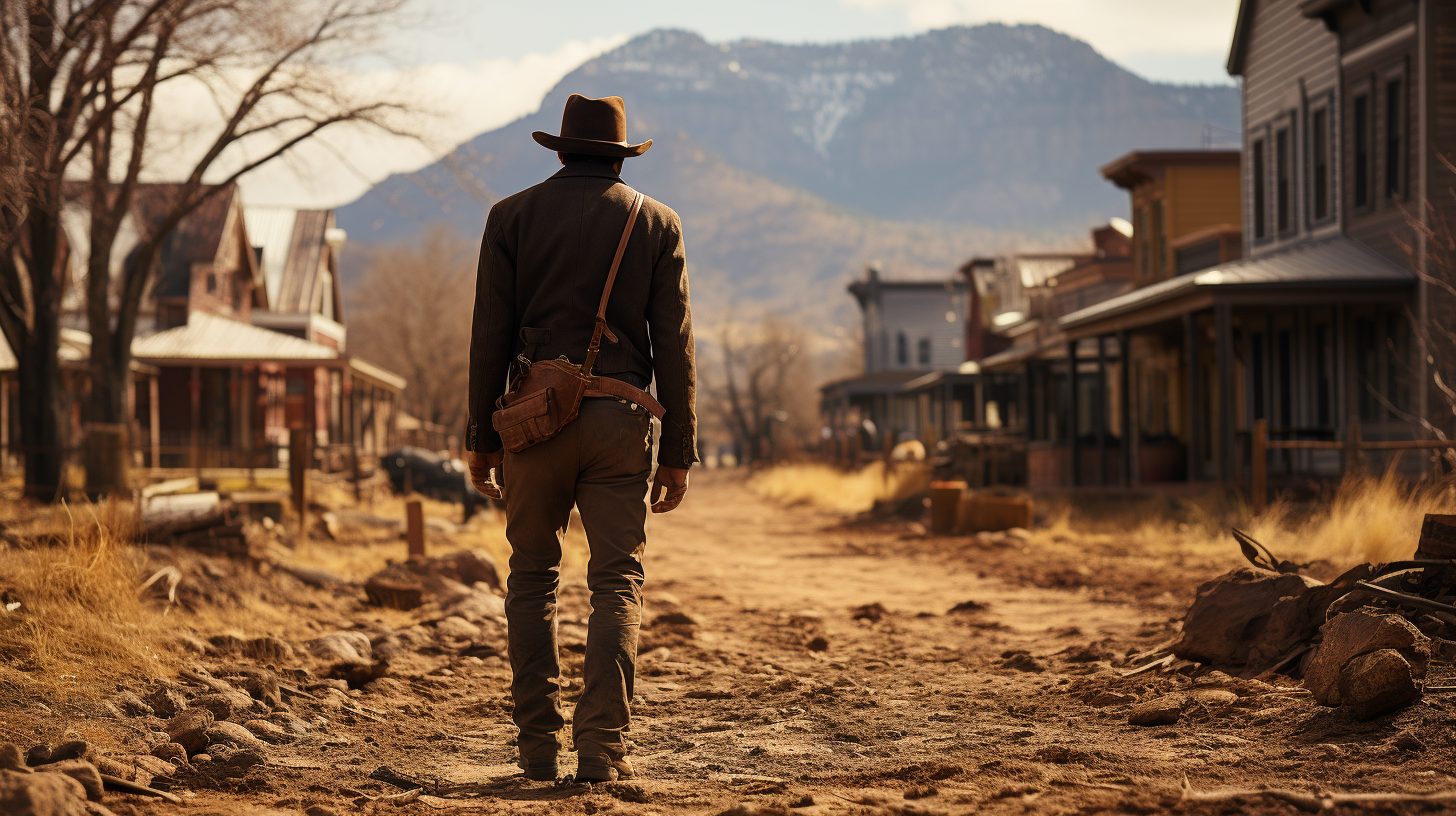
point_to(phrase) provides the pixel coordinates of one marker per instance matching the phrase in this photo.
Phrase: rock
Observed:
(1021, 661)
(339, 647)
(357, 675)
(680, 619)
(319, 810)
(818, 644)
(152, 765)
(1213, 696)
(10, 758)
(132, 705)
(268, 732)
(1231, 612)
(1376, 682)
(232, 735)
(263, 687)
(75, 749)
(388, 588)
(1104, 699)
(477, 605)
(165, 701)
(188, 729)
(1360, 632)
(1164, 710)
(1406, 741)
(227, 705)
(170, 752)
(469, 567)
(268, 649)
(291, 723)
(38, 755)
(81, 771)
(41, 794)
(238, 762)
(457, 628)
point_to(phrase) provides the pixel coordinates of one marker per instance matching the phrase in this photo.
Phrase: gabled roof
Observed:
(195, 240)
(293, 244)
(1337, 261)
(1239, 48)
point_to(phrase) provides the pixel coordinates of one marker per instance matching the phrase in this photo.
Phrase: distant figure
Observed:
(544, 296)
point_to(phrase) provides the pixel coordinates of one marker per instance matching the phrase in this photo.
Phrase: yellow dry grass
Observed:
(829, 488)
(81, 619)
(1370, 518)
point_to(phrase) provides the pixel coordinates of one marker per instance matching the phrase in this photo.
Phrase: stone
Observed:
(1213, 696)
(38, 755)
(268, 732)
(1232, 611)
(232, 735)
(165, 701)
(1360, 632)
(469, 567)
(291, 723)
(238, 762)
(268, 649)
(1164, 710)
(170, 752)
(477, 605)
(818, 644)
(388, 588)
(132, 705)
(352, 647)
(151, 765)
(457, 628)
(10, 758)
(41, 794)
(81, 771)
(319, 810)
(1376, 682)
(74, 749)
(1021, 661)
(227, 705)
(684, 619)
(189, 728)
(1105, 699)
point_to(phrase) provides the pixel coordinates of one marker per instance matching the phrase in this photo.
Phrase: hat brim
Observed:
(571, 144)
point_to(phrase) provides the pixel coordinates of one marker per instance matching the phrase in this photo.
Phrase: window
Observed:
(1319, 149)
(1281, 181)
(922, 351)
(1258, 170)
(211, 282)
(1394, 138)
(1361, 124)
(902, 349)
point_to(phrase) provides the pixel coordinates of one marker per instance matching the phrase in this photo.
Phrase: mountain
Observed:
(792, 165)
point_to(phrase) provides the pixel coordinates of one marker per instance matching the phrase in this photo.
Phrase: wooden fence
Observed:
(1352, 445)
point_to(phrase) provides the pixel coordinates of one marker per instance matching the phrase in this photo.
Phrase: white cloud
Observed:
(450, 104)
(1116, 28)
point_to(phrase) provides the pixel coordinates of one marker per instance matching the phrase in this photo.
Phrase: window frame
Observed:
(1313, 132)
(1285, 223)
(1362, 91)
(1395, 186)
(1259, 183)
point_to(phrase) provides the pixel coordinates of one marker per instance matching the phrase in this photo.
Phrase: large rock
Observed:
(233, 736)
(395, 588)
(1164, 710)
(352, 647)
(189, 729)
(469, 567)
(1232, 612)
(228, 705)
(81, 771)
(42, 794)
(1379, 681)
(1362, 632)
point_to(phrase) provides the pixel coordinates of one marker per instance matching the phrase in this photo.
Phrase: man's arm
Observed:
(670, 321)
(491, 336)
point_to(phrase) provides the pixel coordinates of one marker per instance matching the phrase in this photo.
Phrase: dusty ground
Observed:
(784, 692)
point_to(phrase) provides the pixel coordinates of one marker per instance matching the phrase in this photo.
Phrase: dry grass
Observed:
(81, 620)
(837, 490)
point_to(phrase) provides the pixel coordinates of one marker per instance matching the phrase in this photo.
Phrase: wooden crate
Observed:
(979, 512)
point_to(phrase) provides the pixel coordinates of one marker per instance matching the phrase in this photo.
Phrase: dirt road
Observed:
(798, 662)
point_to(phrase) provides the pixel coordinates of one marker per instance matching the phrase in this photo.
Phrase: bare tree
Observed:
(84, 77)
(411, 313)
(765, 389)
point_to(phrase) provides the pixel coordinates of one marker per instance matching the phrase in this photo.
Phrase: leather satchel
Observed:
(546, 395)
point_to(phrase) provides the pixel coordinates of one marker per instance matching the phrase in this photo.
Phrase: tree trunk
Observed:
(108, 428)
(39, 374)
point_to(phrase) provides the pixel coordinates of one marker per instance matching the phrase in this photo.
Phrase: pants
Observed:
(600, 463)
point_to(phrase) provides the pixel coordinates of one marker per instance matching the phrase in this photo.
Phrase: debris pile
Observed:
(1362, 643)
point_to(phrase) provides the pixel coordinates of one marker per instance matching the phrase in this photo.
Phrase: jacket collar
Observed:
(587, 170)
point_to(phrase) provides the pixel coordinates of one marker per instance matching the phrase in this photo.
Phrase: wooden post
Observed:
(1100, 410)
(354, 455)
(1072, 407)
(1258, 466)
(1193, 431)
(1224, 430)
(1352, 449)
(298, 459)
(154, 418)
(1129, 420)
(415, 528)
(195, 388)
(4, 423)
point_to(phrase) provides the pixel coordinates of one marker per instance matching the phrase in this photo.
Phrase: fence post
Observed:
(1258, 465)
(1352, 448)
(415, 528)
(298, 459)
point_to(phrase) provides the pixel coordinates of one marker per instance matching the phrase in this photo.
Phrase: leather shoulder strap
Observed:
(601, 322)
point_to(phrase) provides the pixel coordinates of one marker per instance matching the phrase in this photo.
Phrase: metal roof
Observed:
(270, 229)
(1338, 261)
(209, 337)
(879, 382)
(374, 372)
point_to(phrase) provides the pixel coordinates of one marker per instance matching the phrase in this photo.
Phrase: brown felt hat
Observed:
(595, 126)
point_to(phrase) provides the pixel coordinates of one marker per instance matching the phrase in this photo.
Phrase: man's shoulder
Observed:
(659, 213)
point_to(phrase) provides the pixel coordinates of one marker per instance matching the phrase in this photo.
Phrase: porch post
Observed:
(245, 416)
(1100, 420)
(4, 423)
(1190, 365)
(154, 418)
(1224, 338)
(1073, 459)
(1129, 432)
(195, 387)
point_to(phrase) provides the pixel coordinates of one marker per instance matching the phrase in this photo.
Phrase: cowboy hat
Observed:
(595, 126)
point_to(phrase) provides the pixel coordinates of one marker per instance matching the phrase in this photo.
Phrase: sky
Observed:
(474, 65)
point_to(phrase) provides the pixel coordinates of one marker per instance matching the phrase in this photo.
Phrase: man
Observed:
(544, 262)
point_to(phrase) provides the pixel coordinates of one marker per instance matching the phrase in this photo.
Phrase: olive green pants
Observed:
(599, 463)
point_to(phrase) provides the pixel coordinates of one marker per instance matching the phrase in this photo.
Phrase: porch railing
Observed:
(1352, 445)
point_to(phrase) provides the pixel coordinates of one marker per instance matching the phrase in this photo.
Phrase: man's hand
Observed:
(672, 480)
(482, 467)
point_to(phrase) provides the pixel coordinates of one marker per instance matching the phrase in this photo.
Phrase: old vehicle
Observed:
(423, 471)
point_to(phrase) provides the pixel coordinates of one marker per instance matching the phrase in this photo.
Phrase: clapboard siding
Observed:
(1291, 63)
(1442, 48)
(1381, 223)
(1199, 197)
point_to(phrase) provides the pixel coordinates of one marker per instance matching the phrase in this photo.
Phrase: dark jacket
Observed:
(543, 263)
